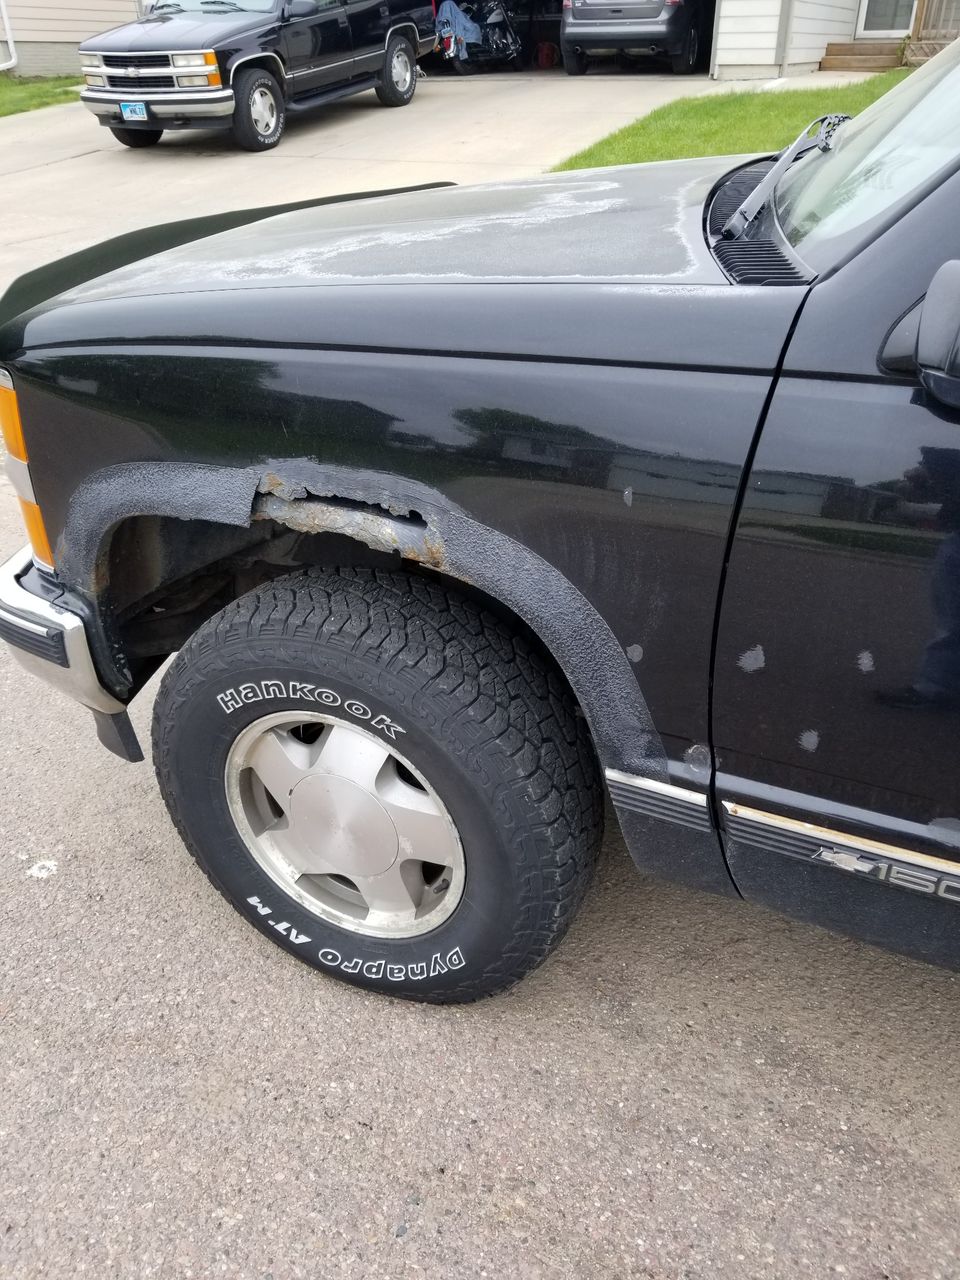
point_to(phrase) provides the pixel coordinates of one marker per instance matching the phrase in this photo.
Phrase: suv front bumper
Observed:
(50, 641)
(204, 108)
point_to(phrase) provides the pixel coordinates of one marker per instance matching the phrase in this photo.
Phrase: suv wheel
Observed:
(259, 114)
(138, 137)
(398, 81)
(684, 63)
(574, 61)
(384, 779)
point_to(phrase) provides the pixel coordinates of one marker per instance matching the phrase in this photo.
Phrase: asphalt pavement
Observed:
(689, 1088)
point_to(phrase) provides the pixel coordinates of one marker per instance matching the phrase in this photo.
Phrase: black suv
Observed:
(205, 64)
(466, 510)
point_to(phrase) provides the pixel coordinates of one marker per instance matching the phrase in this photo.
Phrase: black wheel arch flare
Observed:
(387, 513)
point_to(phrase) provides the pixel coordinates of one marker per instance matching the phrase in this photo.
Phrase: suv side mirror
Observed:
(938, 336)
(301, 8)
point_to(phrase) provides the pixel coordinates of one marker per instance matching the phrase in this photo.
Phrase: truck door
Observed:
(836, 707)
(369, 21)
(316, 41)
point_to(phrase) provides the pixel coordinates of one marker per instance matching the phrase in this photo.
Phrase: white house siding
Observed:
(814, 24)
(745, 38)
(47, 32)
(760, 39)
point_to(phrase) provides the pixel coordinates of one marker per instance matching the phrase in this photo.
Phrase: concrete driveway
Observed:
(689, 1088)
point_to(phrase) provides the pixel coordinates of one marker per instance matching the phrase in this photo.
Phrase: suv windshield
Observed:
(878, 162)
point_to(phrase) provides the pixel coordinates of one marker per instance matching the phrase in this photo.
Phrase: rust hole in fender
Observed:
(407, 535)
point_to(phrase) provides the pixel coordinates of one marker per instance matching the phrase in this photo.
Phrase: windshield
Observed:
(213, 7)
(878, 161)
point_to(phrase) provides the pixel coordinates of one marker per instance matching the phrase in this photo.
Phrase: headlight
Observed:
(90, 61)
(192, 59)
(193, 82)
(95, 81)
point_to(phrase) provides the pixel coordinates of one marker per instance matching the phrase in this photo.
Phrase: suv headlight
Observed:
(194, 59)
(90, 62)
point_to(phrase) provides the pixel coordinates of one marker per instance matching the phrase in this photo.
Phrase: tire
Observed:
(138, 137)
(465, 66)
(684, 63)
(399, 77)
(478, 737)
(574, 61)
(259, 116)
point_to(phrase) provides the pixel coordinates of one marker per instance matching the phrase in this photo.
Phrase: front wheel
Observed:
(138, 137)
(398, 81)
(384, 779)
(685, 62)
(259, 114)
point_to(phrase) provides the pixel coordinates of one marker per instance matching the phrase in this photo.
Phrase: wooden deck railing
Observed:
(935, 24)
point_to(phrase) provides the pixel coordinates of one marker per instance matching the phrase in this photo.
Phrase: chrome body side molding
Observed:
(658, 799)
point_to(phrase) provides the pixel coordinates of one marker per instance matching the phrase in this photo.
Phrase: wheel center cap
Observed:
(346, 827)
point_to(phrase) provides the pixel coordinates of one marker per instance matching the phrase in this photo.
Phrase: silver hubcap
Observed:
(401, 70)
(263, 111)
(344, 824)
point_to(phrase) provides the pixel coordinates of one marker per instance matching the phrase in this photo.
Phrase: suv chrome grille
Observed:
(135, 83)
(139, 60)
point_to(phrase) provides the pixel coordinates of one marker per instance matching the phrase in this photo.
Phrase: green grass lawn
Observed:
(727, 124)
(23, 94)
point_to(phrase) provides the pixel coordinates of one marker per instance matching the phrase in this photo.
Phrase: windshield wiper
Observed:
(166, 4)
(737, 223)
(227, 4)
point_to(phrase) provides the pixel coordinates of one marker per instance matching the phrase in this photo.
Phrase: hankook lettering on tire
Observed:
(232, 699)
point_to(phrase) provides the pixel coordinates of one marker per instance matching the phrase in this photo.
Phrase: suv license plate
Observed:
(133, 110)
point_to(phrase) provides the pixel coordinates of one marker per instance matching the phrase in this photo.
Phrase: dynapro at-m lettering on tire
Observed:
(384, 778)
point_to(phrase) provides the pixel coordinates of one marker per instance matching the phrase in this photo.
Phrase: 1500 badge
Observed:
(901, 874)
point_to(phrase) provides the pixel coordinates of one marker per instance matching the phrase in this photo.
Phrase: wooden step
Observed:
(867, 48)
(860, 63)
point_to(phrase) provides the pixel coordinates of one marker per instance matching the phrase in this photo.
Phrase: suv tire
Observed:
(574, 61)
(325, 723)
(398, 82)
(259, 113)
(138, 137)
(684, 63)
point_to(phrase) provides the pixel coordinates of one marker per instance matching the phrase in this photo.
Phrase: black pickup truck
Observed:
(646, 488)
(207, 64)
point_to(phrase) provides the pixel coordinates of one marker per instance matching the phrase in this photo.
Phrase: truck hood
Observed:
(171, 31)
(608, 264)
(634, 223)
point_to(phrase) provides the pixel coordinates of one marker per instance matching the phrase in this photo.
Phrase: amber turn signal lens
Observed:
(36, 532)
(10, 424)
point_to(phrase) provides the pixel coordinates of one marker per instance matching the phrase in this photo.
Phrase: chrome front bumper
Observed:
(50, 642)
(173, 105)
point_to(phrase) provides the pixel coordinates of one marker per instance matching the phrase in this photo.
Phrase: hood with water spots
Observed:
(633, 224)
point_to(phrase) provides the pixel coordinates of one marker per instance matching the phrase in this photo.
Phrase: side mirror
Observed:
(301, 8)
(938, 336)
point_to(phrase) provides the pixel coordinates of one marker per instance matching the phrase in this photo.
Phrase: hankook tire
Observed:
(385, 778)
